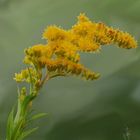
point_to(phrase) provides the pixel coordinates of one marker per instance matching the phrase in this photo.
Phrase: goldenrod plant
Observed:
(60, 56)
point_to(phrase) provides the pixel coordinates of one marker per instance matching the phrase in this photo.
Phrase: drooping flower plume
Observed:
(60, 56)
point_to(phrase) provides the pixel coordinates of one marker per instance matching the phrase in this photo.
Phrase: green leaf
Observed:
(18, 111)
(10, 124)
(28, 132)
(38, 116)
(18, 129)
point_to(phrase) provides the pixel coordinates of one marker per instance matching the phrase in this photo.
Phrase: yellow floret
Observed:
(53, 33)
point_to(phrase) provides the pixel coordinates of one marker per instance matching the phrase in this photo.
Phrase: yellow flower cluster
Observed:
(60, 55)
(28, 75)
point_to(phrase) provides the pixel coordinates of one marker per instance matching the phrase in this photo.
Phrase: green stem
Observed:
(19, 121)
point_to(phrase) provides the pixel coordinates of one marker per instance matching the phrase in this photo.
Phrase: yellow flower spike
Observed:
(28, 75)
(70, 68)
(107, 35)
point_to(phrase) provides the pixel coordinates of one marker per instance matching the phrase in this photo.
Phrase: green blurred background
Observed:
(106, 109)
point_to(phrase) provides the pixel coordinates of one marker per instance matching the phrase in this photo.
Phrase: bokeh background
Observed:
(106, 109)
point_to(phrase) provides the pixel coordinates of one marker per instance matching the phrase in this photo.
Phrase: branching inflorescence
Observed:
(60, 56)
